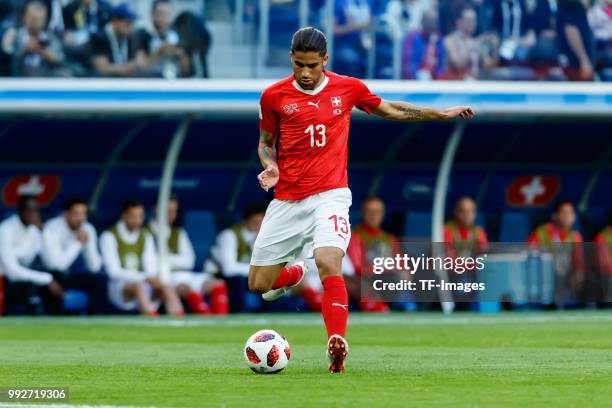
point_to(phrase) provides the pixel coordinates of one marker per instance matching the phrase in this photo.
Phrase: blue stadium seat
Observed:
(202, 229)
(418, 224)
(75, 301)
(515, 226)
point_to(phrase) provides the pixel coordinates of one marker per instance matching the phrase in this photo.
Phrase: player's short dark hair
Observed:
(158, 2)
(71, 202)
(561, 203)
(130, 203)
(252, 209)
(23, 200)
(309, 39)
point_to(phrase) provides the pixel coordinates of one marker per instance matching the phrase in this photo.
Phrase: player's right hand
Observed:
(268, 178)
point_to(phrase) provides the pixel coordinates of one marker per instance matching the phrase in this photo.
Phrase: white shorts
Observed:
(195, 280)
(115, 294)
(320, 220)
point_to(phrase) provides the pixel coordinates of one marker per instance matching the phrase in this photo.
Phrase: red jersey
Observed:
(313, 127)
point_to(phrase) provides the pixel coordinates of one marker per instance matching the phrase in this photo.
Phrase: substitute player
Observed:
(310, 112)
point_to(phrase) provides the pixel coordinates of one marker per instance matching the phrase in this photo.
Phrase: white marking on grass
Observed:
(315, 320)
(39, 405)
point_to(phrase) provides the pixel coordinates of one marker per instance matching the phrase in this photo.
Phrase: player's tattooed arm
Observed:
(267, 155)
(267, 149)
(403, 111)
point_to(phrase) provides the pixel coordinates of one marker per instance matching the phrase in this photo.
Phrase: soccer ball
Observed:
(267, 352)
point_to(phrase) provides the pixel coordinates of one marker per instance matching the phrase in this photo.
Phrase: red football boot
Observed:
(337, 349)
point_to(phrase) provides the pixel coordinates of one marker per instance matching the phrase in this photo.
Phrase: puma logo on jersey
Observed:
(316, 105)
(345, 307)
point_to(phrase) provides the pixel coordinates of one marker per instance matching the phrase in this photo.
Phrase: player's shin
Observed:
(335, 305)
(288, 276)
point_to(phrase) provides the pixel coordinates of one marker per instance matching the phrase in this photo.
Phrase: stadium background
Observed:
(109, 139)
(106, 140)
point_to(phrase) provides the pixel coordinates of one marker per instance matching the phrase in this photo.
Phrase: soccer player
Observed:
(558, 237)
(464, 239)
(310, 112)
(70, 252)
(190, 286)
(20, 246)
(230, 255)
(128, 255)
(467, 238)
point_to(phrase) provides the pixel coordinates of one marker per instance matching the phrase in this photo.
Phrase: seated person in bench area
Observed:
(20, 246)
(70, 251)
(190, 286)
(128, 255)
(230, 255)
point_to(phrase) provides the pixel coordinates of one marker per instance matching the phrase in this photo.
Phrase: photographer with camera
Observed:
(34, 49)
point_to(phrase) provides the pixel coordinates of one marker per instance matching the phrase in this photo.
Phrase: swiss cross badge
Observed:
(336, 101)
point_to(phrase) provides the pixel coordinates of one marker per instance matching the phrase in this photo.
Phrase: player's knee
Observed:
(137, 288)
(257, 284)
(328, 265)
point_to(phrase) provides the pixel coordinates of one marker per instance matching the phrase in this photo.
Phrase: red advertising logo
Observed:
(43, 186)
(532, 191)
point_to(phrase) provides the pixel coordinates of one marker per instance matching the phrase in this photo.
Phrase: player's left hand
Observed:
(268, 178)
(463, 112)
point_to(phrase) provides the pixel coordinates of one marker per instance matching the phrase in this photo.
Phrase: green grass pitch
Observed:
(404, 360)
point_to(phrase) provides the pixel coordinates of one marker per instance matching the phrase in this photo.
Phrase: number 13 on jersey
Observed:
(317, 135)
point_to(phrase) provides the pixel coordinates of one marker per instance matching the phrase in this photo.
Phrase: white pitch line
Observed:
(39, 405)
(315, 320)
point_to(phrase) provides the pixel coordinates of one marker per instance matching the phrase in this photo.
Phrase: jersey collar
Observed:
(311, 91)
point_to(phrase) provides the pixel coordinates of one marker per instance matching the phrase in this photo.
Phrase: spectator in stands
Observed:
(351, 37)
(600, 19)
(423, 50)
(575, 40)
(113, 49)
(70, 251)
(368, 241)
(510, 20)
(448, 11)
(20, 246)
(466, 56)
(160, 44)
(35, 50)
(82, 19)
(128, 255)
(230, 256)
(411, 12)
(195, 40)
(544, 54)
(556, 237)
(56, 17)
(466, 237)
(190, 286)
